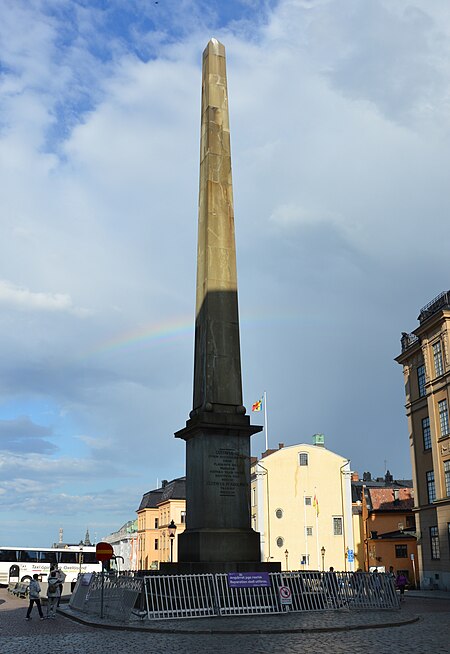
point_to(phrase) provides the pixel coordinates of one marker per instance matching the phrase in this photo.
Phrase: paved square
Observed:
(430, 634)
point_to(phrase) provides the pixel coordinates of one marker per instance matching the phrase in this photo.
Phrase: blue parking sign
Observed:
(350, 556)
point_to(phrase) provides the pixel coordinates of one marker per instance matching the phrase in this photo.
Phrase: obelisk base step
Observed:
(216, 567)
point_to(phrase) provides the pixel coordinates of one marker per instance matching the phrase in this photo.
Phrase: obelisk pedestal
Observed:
(218, 534)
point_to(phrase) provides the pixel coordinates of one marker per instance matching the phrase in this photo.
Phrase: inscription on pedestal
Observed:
(224, 471)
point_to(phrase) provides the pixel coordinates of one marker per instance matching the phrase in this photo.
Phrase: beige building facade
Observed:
(302, 507)
(425, 358)
(156, 511)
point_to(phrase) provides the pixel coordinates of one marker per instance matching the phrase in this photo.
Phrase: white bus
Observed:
(21, 563)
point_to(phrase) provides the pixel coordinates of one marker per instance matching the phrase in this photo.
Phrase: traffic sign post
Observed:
(103, 552)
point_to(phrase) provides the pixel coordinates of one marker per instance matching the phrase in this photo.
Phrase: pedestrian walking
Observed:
(401, 582)
(52, 594)
(34, 590)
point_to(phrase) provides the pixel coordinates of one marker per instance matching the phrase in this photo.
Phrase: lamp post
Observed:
(286, 554)
(322, 551)
(172, 529)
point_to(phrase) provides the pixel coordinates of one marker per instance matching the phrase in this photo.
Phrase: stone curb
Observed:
(223, 632)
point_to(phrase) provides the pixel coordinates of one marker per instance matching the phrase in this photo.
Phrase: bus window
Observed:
(89, 557)
(47, 557)
(28, 556)
(7, 556)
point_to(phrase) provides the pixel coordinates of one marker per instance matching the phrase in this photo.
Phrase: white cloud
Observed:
(339, 128)
(23, 298)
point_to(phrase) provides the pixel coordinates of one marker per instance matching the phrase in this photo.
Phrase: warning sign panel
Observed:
(285, 595)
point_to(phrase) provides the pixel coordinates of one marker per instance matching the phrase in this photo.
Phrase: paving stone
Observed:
(430, 634)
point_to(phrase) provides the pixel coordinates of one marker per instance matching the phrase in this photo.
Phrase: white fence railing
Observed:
(183, 596)
(119, 595)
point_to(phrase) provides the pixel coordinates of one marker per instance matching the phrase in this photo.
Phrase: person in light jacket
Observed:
(52, 594)
(34, 591)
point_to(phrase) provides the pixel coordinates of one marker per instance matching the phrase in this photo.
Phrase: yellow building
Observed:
(302, 507)
(156, 511)
(425, 359)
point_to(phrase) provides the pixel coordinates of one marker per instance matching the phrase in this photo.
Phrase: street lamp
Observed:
(322, 551)
(286, 554)
(172, 529)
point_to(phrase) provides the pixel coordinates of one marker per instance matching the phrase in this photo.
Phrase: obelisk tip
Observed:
(214, 47)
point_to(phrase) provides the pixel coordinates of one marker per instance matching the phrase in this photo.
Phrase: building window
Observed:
(437, 355)
(305, 559)
(307, 501)
(337, 526)
(421, 380)
(309, 531)
(434, 543)
(303, 459)
(280, 541)
(426, 432)
(410, 522)
(183, 517)
(431, 489)
(156, 523)
(279, 513)
(156, 544)
(447, 477)
(443, 417)
(253, 496)
(401, 551)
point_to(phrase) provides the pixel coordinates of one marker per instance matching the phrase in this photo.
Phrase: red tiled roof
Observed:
(383, 499)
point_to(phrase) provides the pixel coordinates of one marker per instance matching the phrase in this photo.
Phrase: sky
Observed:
(340, 130)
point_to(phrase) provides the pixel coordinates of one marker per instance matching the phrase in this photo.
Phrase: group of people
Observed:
(54, 591)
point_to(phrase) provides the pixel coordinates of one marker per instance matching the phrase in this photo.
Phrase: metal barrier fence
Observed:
(183, 596)
(180, 596)
(119, 595)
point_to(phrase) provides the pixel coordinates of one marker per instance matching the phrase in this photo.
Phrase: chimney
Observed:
(367, 476)
(280, 446)
(355, 476)
(164, 483)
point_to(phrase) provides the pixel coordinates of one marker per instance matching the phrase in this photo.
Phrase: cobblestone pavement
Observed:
(63, 636)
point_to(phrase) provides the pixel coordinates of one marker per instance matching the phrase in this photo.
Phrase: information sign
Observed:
(248, 579)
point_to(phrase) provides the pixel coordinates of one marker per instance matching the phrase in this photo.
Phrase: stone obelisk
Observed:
(218, 534)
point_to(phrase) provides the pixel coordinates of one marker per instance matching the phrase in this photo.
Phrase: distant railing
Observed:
(190, 596)
(441, 301)
(119, 595)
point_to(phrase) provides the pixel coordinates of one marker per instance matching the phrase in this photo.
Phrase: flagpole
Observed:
(317, 531)
(304, 531)
(265, 421)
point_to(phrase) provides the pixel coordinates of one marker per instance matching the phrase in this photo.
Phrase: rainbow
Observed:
(151, 332)
(179, 328)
